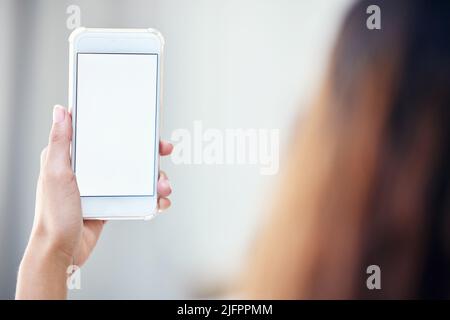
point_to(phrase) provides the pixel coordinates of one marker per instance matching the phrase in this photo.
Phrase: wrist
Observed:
(42, 248)
(55, 241)
(43, 271)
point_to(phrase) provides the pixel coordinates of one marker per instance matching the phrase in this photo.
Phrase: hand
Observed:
(59, 234)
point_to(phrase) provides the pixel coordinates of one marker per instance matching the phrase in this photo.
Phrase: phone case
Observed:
(72, 89)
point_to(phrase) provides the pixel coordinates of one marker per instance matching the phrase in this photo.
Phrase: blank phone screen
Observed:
(115, 124)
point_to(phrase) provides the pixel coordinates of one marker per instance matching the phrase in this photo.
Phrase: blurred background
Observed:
(231, 64)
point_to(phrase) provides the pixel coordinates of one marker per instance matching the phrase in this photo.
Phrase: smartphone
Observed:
(115, 98)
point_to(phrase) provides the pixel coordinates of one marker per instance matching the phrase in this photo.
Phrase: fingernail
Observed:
(58, 114)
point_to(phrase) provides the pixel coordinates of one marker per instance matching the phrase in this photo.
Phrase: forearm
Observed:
(42, 272)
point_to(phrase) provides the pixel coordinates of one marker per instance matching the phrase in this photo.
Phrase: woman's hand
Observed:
(60, 237)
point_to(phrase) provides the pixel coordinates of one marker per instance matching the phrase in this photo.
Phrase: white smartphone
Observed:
(115, 97)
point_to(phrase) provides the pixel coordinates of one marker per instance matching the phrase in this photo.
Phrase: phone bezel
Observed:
(120, 41)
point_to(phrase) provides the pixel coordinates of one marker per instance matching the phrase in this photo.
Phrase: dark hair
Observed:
(369, 175)
(411, 187)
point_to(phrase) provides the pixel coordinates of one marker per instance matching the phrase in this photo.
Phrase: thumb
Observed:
(58, 152)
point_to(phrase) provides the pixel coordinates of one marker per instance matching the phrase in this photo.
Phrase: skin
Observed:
(60, 237)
